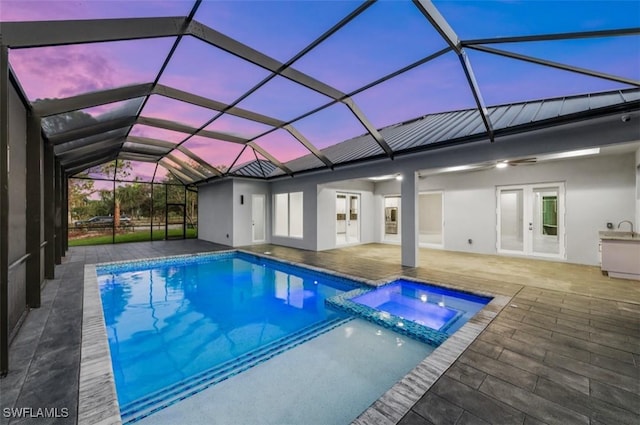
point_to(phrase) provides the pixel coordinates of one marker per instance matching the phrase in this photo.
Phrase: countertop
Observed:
(619, 235)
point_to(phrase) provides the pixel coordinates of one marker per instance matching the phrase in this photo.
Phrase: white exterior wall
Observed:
(595, 132)
(215, 212)
(598, 190)
(309, 205)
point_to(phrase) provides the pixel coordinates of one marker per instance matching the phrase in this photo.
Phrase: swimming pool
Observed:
(178, 326)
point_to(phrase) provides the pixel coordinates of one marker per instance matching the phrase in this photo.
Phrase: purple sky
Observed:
(387, 36)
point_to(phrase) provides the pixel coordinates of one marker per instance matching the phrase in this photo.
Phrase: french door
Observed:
(531, 220)
(347, 218)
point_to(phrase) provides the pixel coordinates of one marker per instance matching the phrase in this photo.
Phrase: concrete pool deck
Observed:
(567, 349)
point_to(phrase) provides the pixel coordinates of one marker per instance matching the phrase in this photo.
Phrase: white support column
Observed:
(409, 217)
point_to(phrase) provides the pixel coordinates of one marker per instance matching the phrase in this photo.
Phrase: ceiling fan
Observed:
(515, 162)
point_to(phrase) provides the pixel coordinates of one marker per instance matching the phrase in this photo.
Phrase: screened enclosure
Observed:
(177, 93)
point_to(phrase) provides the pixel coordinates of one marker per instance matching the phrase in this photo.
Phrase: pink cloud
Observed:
(62, 71)
(49, 72)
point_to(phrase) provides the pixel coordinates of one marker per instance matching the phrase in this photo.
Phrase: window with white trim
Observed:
(287, 213)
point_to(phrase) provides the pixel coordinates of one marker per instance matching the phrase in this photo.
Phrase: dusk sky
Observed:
(387, 36)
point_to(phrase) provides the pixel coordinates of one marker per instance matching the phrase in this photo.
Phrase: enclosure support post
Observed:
(113, 221)
(166, 213)
(151, 235)
(65, 213)
(58, 211)
(49, 212)
(34, 206)
(4, 210)
(184, 215)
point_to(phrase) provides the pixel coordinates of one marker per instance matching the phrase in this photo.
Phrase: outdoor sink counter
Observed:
(620, 254)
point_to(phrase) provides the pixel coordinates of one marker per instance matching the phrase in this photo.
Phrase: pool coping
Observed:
(98, 402)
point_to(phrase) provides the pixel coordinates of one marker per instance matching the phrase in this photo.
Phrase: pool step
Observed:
(141, 408)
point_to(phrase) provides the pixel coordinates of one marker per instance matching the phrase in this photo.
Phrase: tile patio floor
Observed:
(566, 350)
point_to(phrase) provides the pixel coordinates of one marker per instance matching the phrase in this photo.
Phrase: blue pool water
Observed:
(181, 325)
(166, 323)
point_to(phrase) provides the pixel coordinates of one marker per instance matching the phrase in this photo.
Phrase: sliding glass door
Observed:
(531, 220)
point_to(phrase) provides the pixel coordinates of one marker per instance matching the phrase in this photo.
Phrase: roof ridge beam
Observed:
(270, 157)
(439, 23)
(19, 35)
(136, 156)
(48, 107)
(186, 167)
(91, 130)
(307, 144)
(557, 65)
(554, 37)
(228, 44)
(81, 150)
(179, 174)
(477, 94)
(98, 155)
(77, 168)
(199, 160)
(182, 128)
(353, 107)
(214, 105)
(150, 142)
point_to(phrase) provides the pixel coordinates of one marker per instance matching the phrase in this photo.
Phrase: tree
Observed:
(80, 191)
(109, 170)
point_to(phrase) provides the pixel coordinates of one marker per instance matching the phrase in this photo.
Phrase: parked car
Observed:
(102, 221)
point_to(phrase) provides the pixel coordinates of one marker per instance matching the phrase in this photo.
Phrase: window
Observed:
(287, 213)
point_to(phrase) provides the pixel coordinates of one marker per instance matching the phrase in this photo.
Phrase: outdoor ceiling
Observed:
(207, 89)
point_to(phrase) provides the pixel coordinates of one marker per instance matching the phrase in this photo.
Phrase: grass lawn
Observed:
(141, 236)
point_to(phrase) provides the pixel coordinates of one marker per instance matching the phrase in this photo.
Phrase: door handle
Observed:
(530, 226)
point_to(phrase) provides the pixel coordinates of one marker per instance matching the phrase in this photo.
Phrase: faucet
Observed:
(626, 221)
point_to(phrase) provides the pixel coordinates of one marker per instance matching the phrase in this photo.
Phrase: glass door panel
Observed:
(531, 220)
(347, 218)
(430, 221)
(545, 235)
(258, 218)
(511, 220)
(392, 219)
(341, 219)
(353, 221)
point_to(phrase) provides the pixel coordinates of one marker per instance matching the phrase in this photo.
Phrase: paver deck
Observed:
(565, 350)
